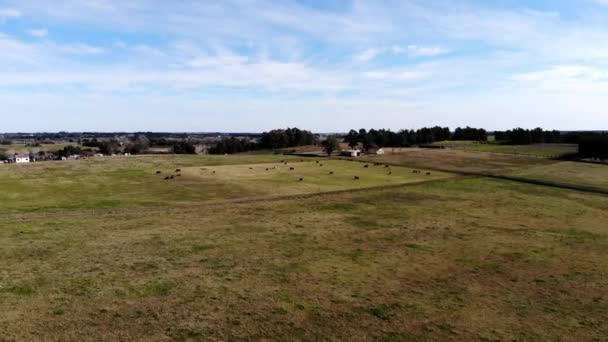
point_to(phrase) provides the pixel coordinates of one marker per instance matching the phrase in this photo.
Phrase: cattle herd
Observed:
(291, 168)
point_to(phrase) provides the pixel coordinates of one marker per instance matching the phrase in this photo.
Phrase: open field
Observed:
(108, 183)
(457, 160)
(594, 175)
(24, 148)
(447, 259)
(535, 150)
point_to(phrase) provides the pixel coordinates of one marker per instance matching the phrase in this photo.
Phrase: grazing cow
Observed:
(386, 166)
(331, 172)
(316, 161)
(250, 168)
(158, 172)
(428, 173)
(291, 169)
(390, 172)
(320, 165)
(213, 171)
(301, 179)
(356, 177)
(178, 170)
(415, 171)
(266, 169)
(167, 178)
(171, 177)
(366, 166)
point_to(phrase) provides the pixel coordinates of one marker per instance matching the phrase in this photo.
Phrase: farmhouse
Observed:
(375, 151)
(351, 153)
(20, 158)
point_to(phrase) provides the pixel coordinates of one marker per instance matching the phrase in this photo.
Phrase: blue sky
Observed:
(253, 65)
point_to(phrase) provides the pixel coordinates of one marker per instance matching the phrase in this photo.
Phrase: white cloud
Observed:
(564, 73)
(81, 49)
(9, 13)
(367, 55)
(426, 51)
(38, 33)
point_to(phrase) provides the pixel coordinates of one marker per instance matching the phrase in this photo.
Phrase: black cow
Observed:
(158, 172)
(356, 177)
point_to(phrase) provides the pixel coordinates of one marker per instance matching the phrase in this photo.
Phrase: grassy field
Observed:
(447, 259)
(457, 160)
(24, 148)
(118, 182)
(535, 150)
(594, 175)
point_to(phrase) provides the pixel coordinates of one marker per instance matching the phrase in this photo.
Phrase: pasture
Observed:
(119, 182)
(452, 160)
(534, 150)
(207, 257)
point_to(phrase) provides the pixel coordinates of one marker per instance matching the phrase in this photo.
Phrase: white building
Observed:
(351, 153)
(20, 158)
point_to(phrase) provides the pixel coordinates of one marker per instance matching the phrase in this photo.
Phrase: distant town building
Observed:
(20, 158)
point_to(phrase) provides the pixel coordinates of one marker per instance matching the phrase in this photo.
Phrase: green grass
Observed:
(35, 149)
(535, 150)
(119, 182)
(458, 160)
(576, 173)
(457, 259)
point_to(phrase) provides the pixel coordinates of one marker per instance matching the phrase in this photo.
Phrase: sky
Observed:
(322, 65)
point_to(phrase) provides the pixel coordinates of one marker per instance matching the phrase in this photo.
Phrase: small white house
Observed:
(20, 158)
(351, 153)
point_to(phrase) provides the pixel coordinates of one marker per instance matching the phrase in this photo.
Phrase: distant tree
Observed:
(520, 136)
(138, 145)
(184, 147)
(352, 138)
(233, 145)
(109, 147)
(469, 133)
(330, 145)
(594, 146)
(290, 137)
(68, 150)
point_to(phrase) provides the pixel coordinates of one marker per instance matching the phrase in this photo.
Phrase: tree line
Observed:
(520, 136)
(407, 138)
(594, 145)
(274, 139)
